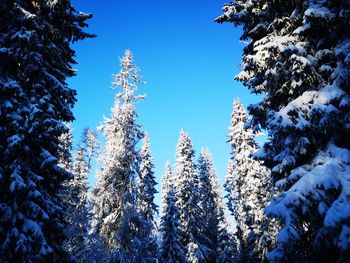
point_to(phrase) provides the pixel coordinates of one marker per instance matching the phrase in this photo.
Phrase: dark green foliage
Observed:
(35, 60)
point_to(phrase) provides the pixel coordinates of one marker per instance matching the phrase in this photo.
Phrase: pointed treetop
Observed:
(238, 110)
(167, 178)
(238, 132)
(145, 142)
(205, 153)
(184, 144)
(128, 78)
(91, 142)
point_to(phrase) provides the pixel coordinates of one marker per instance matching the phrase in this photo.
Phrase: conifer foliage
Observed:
(35, 60)
(92, 145)
(65, 159)
(76, 211)
(145, 201)
(171, 249)
(115, 194)
(298, 58)
(215, 228)
(75, 198)
(187, 191)
(248, 186)
(209, 197)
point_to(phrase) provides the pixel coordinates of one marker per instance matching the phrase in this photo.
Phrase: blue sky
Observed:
(187, 60)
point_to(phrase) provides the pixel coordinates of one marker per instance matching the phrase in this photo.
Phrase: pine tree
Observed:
(145, 202)
(76, 203)
(249, 187)
(226, 243)
(65, 159)
(221, 242)
(188, 199)
(115, 207)
(298, 58)
(35, 61)
(167, 181)
(171, 249)
(76, 210)
(209, 197)
(91, 144)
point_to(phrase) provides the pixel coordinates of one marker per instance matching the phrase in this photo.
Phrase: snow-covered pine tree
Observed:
(76, 208)
(298, 58)
(171, 248)
(75, 198)
(187, 199)
(209, 197)
(226, 243)
(221, 243)
(91, 144)
(167, 181)
(248, 186)
(35, 60)
(115, 208)
(65, 159)
(146, 189)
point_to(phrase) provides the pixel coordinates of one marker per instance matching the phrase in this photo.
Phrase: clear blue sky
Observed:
(187, 60)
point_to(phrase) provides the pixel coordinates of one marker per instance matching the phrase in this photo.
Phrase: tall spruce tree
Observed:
(298, 58)
(65, 159)
(35, 60)
(91, 144)
(171, 248)
(76, 210)
(146, 184)
(188, 199)
(249, 187)
(226, 249)
(221, 243)
(115, 206)
(209, 197)
(167, 181)
(76, 202)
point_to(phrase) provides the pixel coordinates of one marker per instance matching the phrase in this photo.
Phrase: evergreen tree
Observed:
(188, 199)
(221, 243)
(65, 159)
(76, 210)
(115, 207)
(76, 203)
(248, 186)
(226, 243)
(298, 58)
(35, 61)
(209, 197)
(91, 144)
(167, 181)
(146, 206)
(171, 249)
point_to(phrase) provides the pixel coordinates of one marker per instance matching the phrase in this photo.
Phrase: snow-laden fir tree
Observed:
(171, 248)
(75, 197)
(298, 58)
(76, 210)
(226, 249)
(220, 241)
(91, 144)
(115, 206)
(65, 159)
(209, 197)
(187, 191)
(35, 101)
(146, 189)
(167, 181)
(248, 186)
